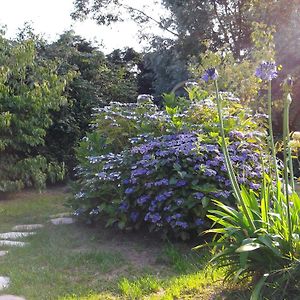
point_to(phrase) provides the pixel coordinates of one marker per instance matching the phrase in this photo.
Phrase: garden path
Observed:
(19, 232)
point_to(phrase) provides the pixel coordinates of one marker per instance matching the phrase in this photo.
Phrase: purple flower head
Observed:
(154, 218)
(181, 224)
(179, 201)
(267, 70)
(198, 195)
(210, 74)
(143, 199)
(129, 191)
(199, 222)
(210, 172)
(123, 206)
(254, 186)
(126, 181)
(134, 216)
(163, 181)
(180, 183)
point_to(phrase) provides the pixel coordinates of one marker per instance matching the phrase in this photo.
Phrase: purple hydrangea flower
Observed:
(123, 206)
(163, 181)
(266, 71)
(126, 181)
(134, 216)
(198, 195)
(254, 186)
(210, 172)
(199, 222)
(143, 199)
(129, 191)
(210, 74)
(179, 201)
(181, 224)
(181, 183)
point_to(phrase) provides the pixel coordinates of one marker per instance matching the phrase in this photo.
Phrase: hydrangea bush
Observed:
(140, 169)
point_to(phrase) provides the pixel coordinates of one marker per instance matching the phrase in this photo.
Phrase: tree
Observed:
(29, 89)
(99, 80)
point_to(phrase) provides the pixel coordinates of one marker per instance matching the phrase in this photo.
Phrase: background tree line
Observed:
(48, 90)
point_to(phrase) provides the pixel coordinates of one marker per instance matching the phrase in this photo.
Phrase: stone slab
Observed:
(61, 215)
(27, 227)
(15, 235)
(60, 221)
(12, 243)
(11, 297)
(4, 282)
(2, 253)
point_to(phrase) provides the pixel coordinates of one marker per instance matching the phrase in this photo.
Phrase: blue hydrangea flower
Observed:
(210, 74)
(266, 71)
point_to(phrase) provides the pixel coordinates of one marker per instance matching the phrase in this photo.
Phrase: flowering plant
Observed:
(260, 239)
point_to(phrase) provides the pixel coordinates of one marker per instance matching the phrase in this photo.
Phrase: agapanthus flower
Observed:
(210, 74)
(267, 70)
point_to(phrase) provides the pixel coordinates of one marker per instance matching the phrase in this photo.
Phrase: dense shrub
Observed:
(30, 89)
(141, 166)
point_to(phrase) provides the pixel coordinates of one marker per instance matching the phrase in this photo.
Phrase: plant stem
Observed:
(234, 182)
(285, 161)
(289, 152)
(272, 135)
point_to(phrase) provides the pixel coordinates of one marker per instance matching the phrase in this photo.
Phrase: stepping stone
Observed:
(13, 243)
(59, 221)
(2, 253)
(27, 227)
(15, 235)
(11, 297)
(61, 215)
(4, 282)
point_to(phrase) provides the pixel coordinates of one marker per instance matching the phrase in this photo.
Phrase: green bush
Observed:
(29, 90)
(140, 161)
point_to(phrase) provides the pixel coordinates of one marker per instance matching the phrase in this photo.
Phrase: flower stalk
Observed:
(232, 177)
(287, 160)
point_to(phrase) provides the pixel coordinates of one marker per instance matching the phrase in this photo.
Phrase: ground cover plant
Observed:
(171, 167)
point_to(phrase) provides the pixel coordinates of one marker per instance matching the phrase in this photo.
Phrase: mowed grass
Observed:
(69, 262)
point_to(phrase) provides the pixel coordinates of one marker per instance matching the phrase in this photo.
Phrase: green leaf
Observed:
(248, 247)
(256, 294)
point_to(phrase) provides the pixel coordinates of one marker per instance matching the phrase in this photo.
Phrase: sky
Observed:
(52, 17)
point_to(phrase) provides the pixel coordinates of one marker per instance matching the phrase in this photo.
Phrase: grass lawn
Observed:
(75, 261)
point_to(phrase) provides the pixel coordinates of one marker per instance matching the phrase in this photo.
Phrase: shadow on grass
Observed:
(88, 263)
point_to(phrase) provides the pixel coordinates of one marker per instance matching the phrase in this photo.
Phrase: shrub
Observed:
(166, 176)
(30, 90)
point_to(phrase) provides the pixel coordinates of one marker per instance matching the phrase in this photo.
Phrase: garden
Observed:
(171, 173)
